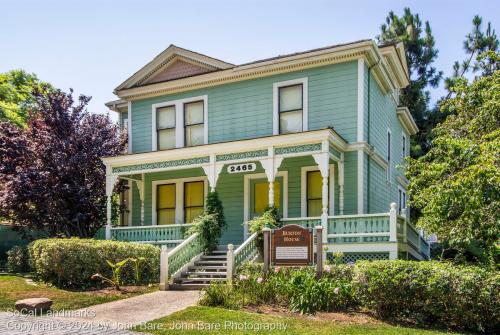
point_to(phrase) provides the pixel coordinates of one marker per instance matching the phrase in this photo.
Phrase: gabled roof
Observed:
(173, 63)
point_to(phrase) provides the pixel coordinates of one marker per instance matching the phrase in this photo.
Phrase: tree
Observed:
(476, 43)
(16, 95)
(51, 175)
(420, 54)
(456, 185)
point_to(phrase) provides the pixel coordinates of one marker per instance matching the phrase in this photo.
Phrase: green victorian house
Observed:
(320, 134)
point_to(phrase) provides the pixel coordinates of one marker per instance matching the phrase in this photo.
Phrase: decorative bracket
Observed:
(212, 171)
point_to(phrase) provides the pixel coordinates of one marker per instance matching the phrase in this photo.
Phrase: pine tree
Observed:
(214, 206)
(420, 54)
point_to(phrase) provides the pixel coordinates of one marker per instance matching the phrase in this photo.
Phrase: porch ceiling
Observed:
(289, 145)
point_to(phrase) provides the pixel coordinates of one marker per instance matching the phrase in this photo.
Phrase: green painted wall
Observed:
(244, 109)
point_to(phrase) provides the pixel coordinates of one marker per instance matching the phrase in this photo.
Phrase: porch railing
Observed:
(359, 228)
(161, 234)
(308, 222)
(247, 250)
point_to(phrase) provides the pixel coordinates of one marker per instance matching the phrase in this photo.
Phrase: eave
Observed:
(407, 120)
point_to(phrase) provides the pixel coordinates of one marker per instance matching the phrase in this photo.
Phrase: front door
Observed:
(259, 196)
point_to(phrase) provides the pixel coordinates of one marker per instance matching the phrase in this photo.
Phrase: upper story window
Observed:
(403, 149)
(401, 200)
(193, 123)
(180, 123)
(290, 106)
(388, 157)
(165, 127)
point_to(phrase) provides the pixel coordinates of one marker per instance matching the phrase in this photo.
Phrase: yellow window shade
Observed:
(165, 206)
(261, 196)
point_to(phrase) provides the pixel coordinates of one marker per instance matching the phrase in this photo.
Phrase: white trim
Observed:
(129, 130)
(361, 101)
(179, 196)
(361, 184)
(246, 192)
(305, 102)
(362, 247)
(303, 189)
(407, 120)
(404, 141)
(404, 200)
(130, 204)
(179, 120)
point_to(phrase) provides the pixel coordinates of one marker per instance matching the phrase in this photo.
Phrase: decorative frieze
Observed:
(298, 149)
(241, 155)
(162, 165)
(334, 152)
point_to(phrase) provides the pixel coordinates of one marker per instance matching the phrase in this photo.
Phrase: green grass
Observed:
(13, 288)
(191, 317)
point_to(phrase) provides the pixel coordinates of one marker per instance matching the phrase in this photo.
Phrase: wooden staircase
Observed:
(209, 268)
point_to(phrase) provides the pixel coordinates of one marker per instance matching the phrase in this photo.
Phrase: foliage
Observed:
(477, 42)
(420, 55)
(18, 260)
(16, 95)
(456, 185)
(207, 225)
(72, 262)
(214, 206)
(116, 269)
(270, 219)
(137, 262)
(51, 173)
(432, 293)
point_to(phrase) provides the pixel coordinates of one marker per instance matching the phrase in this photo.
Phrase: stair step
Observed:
(204, 273)
(219, 252)
(208, 267)
(209, 262)
(197, 280)
(222, 257)
(186, 287)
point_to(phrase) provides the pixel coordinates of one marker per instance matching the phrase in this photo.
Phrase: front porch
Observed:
(310, 177)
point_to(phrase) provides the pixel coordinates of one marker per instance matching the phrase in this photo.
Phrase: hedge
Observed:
(423, 293)
(71, 262)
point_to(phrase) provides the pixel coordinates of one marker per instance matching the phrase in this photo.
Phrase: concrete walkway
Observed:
(129, 312)
(112, 318)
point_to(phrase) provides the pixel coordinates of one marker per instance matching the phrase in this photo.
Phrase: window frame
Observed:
(404, 148)
(179, 120)
(388, 155)
(166, 208)
(158, 130)
(402, 200)
(193, 124)
(303, 188)
(184, 198)
(128, 210)
(179, 196)
(307, 190)
(301, 109)
(276, 103)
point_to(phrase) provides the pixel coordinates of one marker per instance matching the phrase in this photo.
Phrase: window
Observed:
(165, 204)
(314, 193)
(290, 106)
(165, 127)
(193, 200)
(194, 127)
(261, 196)
(125, 206)
(290, 109)
(403, 149)
(388, 154)
(401, 200)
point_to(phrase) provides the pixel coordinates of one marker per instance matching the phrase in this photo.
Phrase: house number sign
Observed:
(239, 168)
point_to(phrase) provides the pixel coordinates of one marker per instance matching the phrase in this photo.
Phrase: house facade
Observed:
(319, 134)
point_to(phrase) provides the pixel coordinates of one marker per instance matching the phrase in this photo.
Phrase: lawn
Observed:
(13, 288)
(199, 320)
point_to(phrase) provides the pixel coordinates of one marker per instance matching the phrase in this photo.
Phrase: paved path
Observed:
(112, 318)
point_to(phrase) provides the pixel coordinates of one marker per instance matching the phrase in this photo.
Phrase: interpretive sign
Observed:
(292, 245)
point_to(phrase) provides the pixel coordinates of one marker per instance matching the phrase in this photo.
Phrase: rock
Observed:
(37, 305)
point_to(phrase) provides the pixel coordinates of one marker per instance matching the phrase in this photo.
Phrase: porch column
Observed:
(110, 183)
(271, 165)
(140, 188)
(322, 159)
(341, 184)
(212, 172)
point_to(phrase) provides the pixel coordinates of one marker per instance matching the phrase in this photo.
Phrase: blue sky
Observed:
(92, 46)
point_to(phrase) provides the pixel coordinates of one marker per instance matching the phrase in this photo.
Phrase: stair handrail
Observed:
(236, 257)
(174, 260)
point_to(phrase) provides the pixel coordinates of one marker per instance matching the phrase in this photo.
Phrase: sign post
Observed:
(267, 237)
(319, 251)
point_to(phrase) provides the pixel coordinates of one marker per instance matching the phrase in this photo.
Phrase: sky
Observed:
(94, 45)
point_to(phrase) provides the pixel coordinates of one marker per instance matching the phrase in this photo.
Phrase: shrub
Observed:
(270, 219)
(214, 206)
(71, 262)
(461, 297)
(18, 260)
(208, 227)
